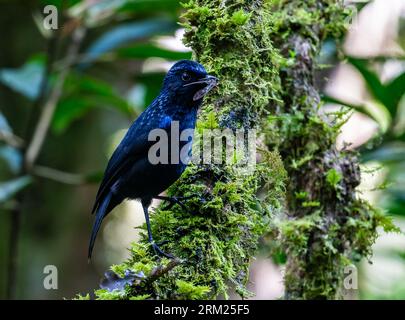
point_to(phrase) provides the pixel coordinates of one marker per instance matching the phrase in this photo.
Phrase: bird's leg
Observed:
(161, 243)
(155, 247)
(174, 200)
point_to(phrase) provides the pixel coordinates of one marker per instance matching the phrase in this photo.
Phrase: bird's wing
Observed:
(134, 146)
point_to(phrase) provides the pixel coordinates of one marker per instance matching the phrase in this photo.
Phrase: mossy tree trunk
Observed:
(264, 53)
(326, 227)
(217, 236)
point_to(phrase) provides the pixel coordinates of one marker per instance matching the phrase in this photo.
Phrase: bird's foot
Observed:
(162, 242)
(160, 252)
(176, 200)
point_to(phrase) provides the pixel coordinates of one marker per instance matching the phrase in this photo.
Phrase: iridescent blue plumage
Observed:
(130, 173)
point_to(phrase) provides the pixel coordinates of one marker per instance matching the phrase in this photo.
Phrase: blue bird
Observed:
(130, 173)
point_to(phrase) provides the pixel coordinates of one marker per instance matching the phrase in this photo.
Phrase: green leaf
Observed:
(95, 13)
(386, 153)
(371, 78)
(103, 91)
(240, 17)
(60, 4)
(359, 108)
(151, 6)
(4, 126)
(126, 33)
(73, 108)
(396, 90)
(333, 177)
(389, 95)
(143, 51)
(68, 110)
(25, 80)
(360, 5)
(10, 188)
(9, 154)
(12, 157)
(279, 257)
(82, 93)
(95, 177)
(396, 205)
(190, 290)
(401, 137)
(80, 297)
(152, 83)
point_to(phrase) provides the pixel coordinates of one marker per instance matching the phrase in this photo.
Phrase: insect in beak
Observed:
(210, 82)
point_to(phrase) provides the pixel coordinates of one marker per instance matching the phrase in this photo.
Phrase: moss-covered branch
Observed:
(264, 54)
(218, 234)
(327, 226)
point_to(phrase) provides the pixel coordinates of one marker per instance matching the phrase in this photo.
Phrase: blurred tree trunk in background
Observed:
(72, 153)
(264, 54)
(218, 233)
(327, 227)
(298, 203)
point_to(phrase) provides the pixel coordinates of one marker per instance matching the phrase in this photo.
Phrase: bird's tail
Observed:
(102, 211)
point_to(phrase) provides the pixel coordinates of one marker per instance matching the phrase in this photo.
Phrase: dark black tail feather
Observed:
(102, 211)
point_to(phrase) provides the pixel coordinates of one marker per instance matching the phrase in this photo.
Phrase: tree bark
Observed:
(326, 227)
(264, 54)
(218, 234)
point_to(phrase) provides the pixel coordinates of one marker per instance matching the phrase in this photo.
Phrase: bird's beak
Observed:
(210, 82)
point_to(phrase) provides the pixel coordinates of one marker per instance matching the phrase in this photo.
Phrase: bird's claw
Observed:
(177, 200)
(172, 201)
(162, 242)
(160, 252)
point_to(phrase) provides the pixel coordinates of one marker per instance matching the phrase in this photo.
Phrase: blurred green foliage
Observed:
(387, 147)
(104, 89)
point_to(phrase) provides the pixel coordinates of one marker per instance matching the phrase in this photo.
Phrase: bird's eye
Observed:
(185, 76)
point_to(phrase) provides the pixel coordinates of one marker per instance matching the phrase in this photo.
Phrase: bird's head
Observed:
(189, 82)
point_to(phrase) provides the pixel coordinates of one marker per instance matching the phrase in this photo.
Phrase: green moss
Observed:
(217, 235)
(328, 251)
(301, 195)
(104, 294)
(190, 291)
(140, 297)
(327, 226)
(333, 177)
(233, 42)
(306, 204)
(263, 52)
(240, 17)
(80, 297)
(296, 232)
